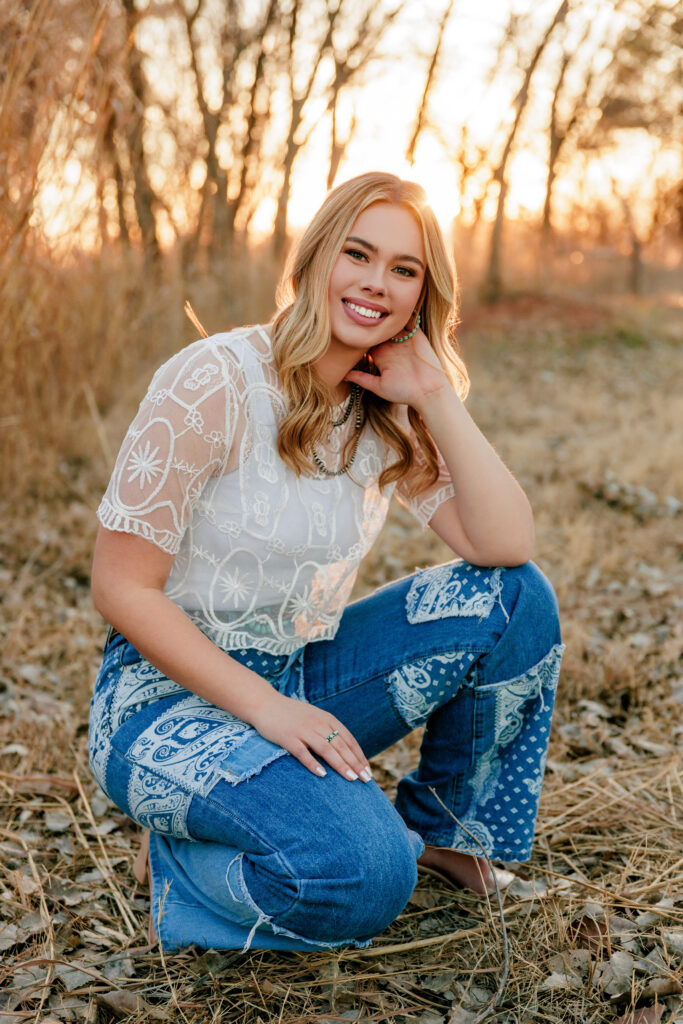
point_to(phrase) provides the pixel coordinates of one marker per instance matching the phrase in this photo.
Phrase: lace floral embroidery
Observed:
(263, 558)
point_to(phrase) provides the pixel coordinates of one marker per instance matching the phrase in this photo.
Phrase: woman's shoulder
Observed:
(225, 352)
(243, 342)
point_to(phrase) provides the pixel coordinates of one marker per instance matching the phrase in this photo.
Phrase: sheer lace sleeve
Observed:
(424, 505)
(180, 437)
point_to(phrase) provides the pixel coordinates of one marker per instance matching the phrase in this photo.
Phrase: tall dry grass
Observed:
(80, 327)
(567, 392)
(595, 923)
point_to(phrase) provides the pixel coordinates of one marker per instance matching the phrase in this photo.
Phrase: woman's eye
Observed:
(355, 253)
(405, 271)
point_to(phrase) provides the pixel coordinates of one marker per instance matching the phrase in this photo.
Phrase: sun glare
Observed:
(67, 205)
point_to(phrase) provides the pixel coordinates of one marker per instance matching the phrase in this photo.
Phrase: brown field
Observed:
(583, 401)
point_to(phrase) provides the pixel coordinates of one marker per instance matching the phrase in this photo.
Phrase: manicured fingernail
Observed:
(320, 771)
(366, 775)
(351, 775)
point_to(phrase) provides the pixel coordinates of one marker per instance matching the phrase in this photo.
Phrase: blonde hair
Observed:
(301, 329)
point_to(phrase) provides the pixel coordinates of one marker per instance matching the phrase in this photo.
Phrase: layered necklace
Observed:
(354, 402)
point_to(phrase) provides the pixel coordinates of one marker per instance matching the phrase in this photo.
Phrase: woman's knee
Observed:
(533, 600)
(360, 881)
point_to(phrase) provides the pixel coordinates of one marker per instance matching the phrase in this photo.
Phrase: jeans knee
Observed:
(535, 601)
(376, 881)
(360, 884)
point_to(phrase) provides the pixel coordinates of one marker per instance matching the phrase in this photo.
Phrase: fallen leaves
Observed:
(123, 1004)
(647, 1015)
(603, 941)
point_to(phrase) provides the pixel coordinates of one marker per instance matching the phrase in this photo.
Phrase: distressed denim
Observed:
(249, 849)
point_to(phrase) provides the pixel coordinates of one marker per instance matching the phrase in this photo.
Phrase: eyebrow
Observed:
(373, 248)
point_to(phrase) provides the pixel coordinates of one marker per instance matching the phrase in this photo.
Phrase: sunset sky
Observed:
(386, 106)
(385, 103)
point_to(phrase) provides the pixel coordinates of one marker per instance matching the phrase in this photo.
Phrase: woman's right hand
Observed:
(300, 728)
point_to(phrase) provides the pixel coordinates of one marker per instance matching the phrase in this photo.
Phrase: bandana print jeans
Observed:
(249, 849)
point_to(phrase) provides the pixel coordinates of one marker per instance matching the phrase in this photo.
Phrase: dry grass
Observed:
(595, 922)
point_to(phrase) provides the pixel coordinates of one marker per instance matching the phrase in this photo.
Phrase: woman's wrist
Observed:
(260, 701)
(433, 402)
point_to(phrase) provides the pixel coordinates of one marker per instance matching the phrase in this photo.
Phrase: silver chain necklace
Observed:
(353, 397)
(354, 401)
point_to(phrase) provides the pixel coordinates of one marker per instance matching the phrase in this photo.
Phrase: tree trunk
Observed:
(424, 102)
(493, 282)
(337, 147)
(493, 288)
(336, 150)
(555, 147)
(637, 269)
(280, 230)
(144, 195)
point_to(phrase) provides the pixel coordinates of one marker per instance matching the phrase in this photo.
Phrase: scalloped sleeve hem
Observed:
(424, 510)
(118, 522)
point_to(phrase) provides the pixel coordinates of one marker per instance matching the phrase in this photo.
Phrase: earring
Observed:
(411, 333)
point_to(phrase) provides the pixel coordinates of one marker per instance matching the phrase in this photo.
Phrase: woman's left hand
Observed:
(409, 371)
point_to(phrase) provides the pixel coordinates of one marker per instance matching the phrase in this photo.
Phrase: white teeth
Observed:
(372, 313)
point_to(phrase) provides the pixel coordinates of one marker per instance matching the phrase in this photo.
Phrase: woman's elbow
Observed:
(513, 550)
(521, 551)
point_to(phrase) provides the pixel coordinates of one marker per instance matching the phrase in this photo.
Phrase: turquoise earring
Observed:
(411, 333)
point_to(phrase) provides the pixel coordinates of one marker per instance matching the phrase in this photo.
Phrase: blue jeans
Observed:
(249, 849)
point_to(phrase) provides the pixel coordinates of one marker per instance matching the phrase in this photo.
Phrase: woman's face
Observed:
(377, 278)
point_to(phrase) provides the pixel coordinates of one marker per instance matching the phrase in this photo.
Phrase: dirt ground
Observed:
(584, 403)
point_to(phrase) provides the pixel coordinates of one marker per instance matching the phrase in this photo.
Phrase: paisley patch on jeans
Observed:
(158, 804)
(512, 694)
(418, 687)
(191, 743)
(137, 685)
(507, 778)
(98, 737)
(452, 590)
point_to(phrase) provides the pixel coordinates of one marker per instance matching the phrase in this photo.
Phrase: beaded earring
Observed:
(410, 333)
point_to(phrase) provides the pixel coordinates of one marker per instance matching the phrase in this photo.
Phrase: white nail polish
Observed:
(366, 775)
(350, 774)
(320, 771)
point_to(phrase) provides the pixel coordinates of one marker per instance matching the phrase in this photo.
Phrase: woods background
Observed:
(156, 152)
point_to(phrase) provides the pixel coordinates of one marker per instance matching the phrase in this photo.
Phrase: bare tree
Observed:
(241, 64)
(350, 52)
(641, 88)
(351, 62)
(561, 128)
(143, 191)
(298, 97)
(242, 52)
(429, 81)
(493, 283)
(337, 144)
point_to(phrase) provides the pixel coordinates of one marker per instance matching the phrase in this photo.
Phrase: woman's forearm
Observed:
(493, 510)
(169, 640)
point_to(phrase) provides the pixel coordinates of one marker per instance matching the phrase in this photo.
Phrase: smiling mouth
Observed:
(373, 315)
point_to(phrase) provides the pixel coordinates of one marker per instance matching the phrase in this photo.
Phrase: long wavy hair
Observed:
(301, 330)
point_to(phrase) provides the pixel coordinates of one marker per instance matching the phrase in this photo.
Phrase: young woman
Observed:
(239, 697)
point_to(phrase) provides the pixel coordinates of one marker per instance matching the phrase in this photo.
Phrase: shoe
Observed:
(503, 877)
(143, 874)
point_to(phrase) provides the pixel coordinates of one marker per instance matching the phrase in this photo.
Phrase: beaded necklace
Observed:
(354, 402)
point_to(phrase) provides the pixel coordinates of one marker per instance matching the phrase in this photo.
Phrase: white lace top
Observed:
(263, 558)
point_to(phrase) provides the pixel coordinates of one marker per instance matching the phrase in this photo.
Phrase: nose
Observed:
(373, 280)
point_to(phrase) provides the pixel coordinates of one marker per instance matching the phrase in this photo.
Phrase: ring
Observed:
(332, 735)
